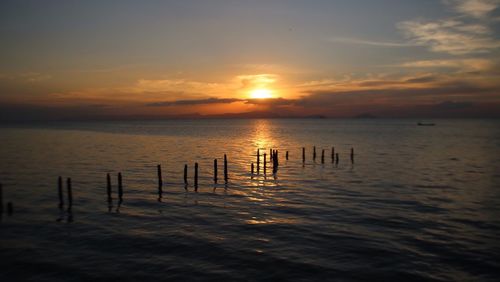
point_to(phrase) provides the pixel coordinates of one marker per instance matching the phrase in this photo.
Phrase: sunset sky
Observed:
(337, 58)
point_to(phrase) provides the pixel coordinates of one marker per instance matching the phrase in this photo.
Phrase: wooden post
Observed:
(303, 154)
(314, 153)
(286, 155)
(323, 156)
(265, 156)
(275, 162)
(108, 187)
(226, 177)
(258, 161)
(160, 179)
(337, 158)
(10, 209)
(70, 194)
(333, 155)
(215, 170)
(352, 155)
(120, 187)
(196, 176)
(60, 192)
(185, 174)
(252, 169)
(271, 151)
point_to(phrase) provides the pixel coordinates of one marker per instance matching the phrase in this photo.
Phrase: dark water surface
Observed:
(419, 203)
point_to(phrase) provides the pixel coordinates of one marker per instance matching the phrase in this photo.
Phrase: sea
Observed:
(414, 203)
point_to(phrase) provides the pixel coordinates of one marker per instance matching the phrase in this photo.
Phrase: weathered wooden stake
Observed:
(314, 153)
(60, 192)
(323, 156)
(108, 187)
(271, 154)
(70, 194)
(333, 155)
(10, 209)
(275, 162)
(196, 176)
(258, 161)
(286, 155)
(252, 168)
(337, 158)
(160, 179)
(226, 177)
(215, 171)
(352, 155)
(303, 154)
(120, 187)
(185, 174)
(265, 156)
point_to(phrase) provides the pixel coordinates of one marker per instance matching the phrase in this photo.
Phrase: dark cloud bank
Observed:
(451, 101)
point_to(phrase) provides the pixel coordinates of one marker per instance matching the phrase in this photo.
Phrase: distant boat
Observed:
(426, 124)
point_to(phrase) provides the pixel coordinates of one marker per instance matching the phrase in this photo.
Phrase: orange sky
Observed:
(337, 59)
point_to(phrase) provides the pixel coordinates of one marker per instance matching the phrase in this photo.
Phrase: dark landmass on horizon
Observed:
(245, 115)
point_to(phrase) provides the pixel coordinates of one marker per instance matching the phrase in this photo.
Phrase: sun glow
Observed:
(261, 94)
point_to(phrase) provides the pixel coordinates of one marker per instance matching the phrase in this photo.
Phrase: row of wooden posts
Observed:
(273, 156)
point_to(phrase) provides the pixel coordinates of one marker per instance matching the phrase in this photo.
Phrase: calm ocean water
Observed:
(419, 203)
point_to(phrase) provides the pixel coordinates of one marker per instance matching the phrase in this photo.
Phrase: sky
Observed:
(63, 60)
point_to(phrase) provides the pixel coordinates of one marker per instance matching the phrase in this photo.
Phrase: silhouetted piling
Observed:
(323, 156)
(215, 171)
(60, 192)
(10, 209)
(185, 174)
(303, 154)
(275, 162)
(196, 176)
(252, 168)
(286, 155)
(333, 155)
(258, 161)
(160, 179)
(226, 177)
(120, 187)
(70, 194)
(108, 188)
(265, 161)
(337, 158)
(271, 151)
(314, 153)
(352, 155)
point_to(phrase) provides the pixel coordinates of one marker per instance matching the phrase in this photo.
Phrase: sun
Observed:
(261, 93)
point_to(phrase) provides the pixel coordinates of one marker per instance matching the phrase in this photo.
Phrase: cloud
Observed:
(461, 64)
(30, 77)
(389, 97)
(271, 101)
(458, 35)
(208, 101)
(194, 102)
(256, 80)
(450, 36)
(474, 8)
(371, 42)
